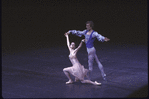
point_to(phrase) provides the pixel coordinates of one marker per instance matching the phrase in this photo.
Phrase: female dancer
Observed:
(76, 69)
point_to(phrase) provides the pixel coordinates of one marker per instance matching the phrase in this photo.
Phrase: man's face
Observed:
(88, 26)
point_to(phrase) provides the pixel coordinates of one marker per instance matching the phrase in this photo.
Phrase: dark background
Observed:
(33, 24)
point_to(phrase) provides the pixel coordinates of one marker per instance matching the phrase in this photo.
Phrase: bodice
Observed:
(73, 59)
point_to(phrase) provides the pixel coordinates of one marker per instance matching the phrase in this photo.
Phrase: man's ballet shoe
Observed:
(104, 77)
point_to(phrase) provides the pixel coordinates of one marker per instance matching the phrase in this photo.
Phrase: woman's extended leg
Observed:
(90, 82)
(67, 72)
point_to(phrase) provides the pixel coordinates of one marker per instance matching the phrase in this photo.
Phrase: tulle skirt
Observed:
(79, 71)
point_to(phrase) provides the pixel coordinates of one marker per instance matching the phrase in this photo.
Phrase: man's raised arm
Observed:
(77, 33)
(100, 37)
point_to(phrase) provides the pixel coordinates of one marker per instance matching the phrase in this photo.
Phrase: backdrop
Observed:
(28, 24)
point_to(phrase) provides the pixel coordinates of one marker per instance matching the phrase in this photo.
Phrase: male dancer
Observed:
(90, 36)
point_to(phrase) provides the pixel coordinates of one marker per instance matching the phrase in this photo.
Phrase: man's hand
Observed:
(68, 32)
(106, 39)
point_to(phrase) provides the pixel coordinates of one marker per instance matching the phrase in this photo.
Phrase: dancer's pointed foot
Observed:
(96, 83)
(69, 82)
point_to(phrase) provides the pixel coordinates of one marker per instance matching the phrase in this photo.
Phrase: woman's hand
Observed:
(83, 40)
(66, 34)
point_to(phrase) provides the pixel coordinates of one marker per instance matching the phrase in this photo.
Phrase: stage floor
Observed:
(39, 73)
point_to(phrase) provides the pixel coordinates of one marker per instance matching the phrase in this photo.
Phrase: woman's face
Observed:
(72, 45)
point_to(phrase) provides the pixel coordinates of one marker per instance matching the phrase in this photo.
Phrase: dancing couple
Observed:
(77, 69)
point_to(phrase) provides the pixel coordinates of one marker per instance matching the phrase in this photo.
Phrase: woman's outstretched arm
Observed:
(79, 45)
(67, 38)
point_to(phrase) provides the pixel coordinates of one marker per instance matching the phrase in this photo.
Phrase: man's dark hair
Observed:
(91, 23)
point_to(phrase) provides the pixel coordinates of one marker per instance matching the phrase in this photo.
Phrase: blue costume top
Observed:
(90, 38)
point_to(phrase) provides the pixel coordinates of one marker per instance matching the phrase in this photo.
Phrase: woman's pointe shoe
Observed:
(97, 83)
(69, 82)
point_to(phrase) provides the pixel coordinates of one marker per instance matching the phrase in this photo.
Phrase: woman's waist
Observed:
(74, 61)
(73, 58)
(76, 64)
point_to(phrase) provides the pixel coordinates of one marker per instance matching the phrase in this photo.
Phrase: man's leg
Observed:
(100, 67)
(90, 64)
(91, 56)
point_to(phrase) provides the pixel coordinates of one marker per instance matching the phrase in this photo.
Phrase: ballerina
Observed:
(76, 69)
